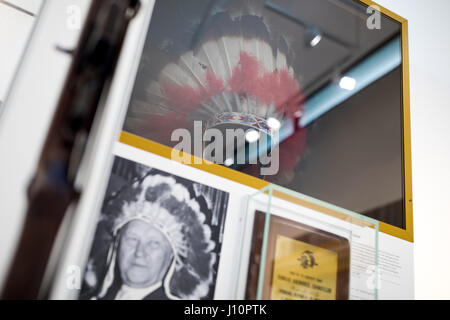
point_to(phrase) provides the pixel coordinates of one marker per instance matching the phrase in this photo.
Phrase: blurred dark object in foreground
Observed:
(53, 190)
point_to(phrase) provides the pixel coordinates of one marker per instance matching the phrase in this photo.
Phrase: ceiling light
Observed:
(315, 41)
(347, 83)
(252, 136)
(313, 36)
(298, 114)
(274, 124)
(229, 162)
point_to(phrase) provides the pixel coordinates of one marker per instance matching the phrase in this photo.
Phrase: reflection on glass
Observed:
(308, 77)
(301, 263)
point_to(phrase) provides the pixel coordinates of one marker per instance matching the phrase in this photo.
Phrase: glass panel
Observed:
(311, 90)
(298, 248)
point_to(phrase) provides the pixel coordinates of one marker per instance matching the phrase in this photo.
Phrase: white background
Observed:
(27, 113)
(430, 116)
(15, 30)
(429, 52)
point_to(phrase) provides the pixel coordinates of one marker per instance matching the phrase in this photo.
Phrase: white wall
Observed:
(430, 119)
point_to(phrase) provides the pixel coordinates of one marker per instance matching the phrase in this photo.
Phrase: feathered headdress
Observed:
(167, 205)
(238, 74)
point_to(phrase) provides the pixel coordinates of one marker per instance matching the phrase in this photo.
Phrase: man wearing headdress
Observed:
(162, 248)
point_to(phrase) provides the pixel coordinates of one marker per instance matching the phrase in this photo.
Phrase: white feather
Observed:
(220, 56)
(193, 68)
(281, 62)
(210, 52)
(266, 56)
(157, 96)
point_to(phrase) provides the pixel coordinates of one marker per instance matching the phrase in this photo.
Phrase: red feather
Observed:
(248, 78)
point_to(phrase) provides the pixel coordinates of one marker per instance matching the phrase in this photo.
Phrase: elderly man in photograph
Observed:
(161, 246)
(143, 260)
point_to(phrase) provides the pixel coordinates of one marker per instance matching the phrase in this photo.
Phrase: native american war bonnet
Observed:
(159, 237)
(236, 74)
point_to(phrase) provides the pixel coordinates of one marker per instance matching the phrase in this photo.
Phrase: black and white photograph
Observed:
(158, 237)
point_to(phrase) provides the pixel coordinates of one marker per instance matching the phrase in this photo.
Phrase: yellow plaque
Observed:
(303, 271)
(301, 262)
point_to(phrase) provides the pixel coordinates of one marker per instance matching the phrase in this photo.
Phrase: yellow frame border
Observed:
(256, 183)
(408, 232)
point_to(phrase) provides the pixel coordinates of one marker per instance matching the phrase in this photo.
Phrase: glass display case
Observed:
(298, 248)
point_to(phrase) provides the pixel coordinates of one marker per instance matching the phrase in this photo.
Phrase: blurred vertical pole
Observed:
(52, 190)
